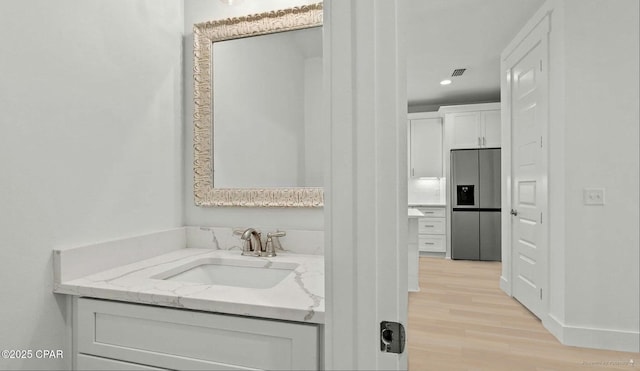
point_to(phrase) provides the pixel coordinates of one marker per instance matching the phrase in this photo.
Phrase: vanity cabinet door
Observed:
(191, 340)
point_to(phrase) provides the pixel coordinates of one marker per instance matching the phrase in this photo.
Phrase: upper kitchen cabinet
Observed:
(472, 125)
(425, 141)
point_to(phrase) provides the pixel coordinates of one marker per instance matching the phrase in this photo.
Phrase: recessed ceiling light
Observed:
(445, 82)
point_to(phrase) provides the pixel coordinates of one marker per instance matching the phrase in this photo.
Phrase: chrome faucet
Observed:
(252, 242)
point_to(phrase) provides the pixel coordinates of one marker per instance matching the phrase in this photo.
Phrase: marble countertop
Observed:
(298, 297)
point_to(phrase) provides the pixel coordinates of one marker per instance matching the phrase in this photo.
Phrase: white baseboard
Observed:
(554, 326)
(625, 341)
(504, 285)
(431, 254)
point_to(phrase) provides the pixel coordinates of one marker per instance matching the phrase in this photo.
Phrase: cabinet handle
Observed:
(428, 225)
(484, 141)
(412, 172)
(429, 243)
(479, 142)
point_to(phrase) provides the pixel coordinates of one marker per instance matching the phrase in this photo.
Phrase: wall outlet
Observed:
(593, 196)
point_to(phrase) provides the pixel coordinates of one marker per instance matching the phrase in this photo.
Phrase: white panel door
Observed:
(528, 120)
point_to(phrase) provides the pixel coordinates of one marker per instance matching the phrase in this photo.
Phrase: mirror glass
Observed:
(267, 106)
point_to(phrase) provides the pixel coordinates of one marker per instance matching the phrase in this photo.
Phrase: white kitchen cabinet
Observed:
(425, 145)
(431, 226)
(472, 126)
(465, 129)
(491, 128)
(111, 335)
(432, 229)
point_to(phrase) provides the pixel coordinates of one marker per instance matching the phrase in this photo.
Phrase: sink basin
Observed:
(250, 273)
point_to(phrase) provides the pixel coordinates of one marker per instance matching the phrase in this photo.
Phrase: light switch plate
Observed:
(593, 196)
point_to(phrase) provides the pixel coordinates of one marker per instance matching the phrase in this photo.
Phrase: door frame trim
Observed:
(366, 250)
(536, 32)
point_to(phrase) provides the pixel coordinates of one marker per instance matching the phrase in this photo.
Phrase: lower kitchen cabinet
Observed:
(413, 263)
(432, 230)
(116, 336)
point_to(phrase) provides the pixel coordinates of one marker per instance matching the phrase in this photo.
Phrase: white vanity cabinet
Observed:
(122, 336)
(432, 229)
(472, 126)
(90, 363)
(425, 142)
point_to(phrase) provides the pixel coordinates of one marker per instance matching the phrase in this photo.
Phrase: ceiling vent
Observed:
(458, 72)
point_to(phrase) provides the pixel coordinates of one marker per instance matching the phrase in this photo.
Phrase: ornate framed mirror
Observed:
(257, 109)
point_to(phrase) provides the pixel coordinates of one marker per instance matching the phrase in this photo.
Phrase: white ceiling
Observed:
(447, 34)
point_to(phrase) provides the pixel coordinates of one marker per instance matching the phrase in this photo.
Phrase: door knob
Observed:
(514, 212)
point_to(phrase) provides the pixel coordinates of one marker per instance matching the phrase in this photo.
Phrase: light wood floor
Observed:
(461, 320)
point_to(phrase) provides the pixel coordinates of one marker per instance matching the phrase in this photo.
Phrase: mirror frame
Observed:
(204, 35)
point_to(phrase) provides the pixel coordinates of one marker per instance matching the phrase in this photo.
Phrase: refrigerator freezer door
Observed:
(464, 171)
(490, 242)
(489, 178)
(465, 235)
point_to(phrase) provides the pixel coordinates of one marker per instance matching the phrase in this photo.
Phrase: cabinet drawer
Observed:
(436, 212)
(182, 339)
(431, 226)
(432, 243)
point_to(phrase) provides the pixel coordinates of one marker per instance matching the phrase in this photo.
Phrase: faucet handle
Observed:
(276, 234)
(273, 243)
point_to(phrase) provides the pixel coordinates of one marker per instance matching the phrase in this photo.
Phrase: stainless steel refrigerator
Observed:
(475, 193)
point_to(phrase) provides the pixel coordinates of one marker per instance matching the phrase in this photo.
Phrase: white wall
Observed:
(602, 40)
(197, 11)
(90, 145)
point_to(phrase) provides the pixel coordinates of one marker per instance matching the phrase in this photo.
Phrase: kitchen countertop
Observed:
(414, 213)
(298, 297)
(426, 205)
